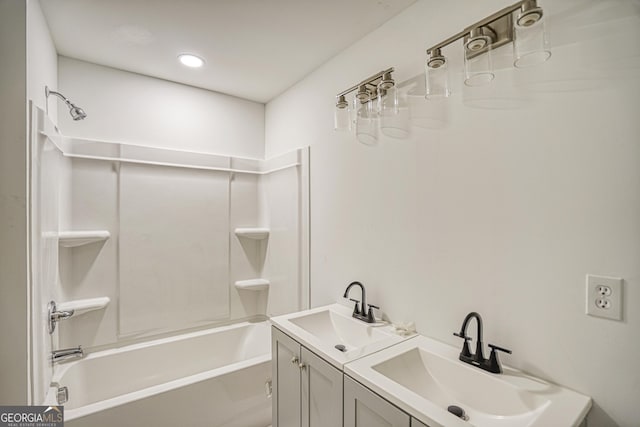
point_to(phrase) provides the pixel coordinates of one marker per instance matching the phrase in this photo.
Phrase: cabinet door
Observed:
(364, 408)
(285, 353)
(321, 392)
(416, 423)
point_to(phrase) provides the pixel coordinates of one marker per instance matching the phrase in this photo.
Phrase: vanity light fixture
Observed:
(375, 105)
(521, 23)
(191, 60)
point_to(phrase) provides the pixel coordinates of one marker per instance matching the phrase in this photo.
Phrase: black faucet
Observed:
(358, 312)
(492, 364)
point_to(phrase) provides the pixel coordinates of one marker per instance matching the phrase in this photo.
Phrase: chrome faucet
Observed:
(359, 310)
(67, 354)
(492, 364)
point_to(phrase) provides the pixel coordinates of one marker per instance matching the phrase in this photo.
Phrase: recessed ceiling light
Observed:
(191, 60)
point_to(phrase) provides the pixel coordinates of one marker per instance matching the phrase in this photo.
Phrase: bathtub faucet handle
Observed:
(55, 316)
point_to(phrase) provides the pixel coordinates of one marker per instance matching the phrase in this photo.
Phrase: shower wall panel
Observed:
(89, 201)
(46, 164)
(172, 259)
(284, 200)
(247, 255)
(174, 247)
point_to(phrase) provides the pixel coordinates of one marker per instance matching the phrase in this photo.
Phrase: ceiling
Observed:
(254, 49)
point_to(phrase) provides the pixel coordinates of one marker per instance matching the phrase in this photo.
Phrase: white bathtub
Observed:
(212, 378)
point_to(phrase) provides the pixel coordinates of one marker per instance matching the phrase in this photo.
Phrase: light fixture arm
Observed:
(507, 11)
(371, 81)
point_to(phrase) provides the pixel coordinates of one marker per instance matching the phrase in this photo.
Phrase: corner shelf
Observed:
(256, 233)
(71, 239)
(82, 306)
(253, 284)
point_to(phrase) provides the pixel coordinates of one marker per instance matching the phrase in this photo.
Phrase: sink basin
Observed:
(447, 382)
(424, 377)
(334, 328)
(333, 334)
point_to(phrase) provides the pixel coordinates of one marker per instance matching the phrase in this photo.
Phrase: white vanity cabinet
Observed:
(364, 408)
(416, 423)
(286, 384)
(307, 391)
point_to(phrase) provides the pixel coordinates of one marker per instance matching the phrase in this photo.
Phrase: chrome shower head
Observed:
(76, 112)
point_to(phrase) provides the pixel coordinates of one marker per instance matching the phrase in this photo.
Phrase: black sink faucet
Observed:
(359, 310)
(477, 359)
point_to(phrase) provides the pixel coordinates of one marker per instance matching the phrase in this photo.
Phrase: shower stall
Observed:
(158, 269)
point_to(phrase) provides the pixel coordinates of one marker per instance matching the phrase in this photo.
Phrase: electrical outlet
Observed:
(604, 297)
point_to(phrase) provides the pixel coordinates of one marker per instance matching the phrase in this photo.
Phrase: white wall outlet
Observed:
(604, 297)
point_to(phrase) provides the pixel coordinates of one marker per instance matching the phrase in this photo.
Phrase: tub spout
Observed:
(67, 354)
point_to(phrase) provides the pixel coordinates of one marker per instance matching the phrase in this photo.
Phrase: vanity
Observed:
(333, 370)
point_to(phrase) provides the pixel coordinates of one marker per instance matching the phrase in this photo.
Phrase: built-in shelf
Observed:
(71, 239)
(256, 233)
(253, 284)
(81, 306)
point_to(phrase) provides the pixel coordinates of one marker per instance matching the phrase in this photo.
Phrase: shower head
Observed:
(76, 112)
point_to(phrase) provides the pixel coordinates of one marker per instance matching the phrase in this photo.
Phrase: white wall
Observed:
(13, 203)
(131, 108)
(42, 70)
(28, 64)
(502, 210)
(42, 59)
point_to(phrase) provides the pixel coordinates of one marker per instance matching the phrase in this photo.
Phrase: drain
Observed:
(457, 411)
(341, 347)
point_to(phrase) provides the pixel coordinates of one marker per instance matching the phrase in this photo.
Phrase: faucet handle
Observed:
(493, 363)
(466, 352)
(495, 347)
(370, 318)
(356, 308)
(463, 336)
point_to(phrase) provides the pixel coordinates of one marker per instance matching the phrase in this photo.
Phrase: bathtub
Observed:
(212, 378)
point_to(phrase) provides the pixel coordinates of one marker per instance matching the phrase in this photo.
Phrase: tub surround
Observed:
(142, 380)
(154, 220)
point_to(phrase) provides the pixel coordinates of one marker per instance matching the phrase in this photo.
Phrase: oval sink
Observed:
(332, 333)
(425, 378)
(332, 327)
(447, 382)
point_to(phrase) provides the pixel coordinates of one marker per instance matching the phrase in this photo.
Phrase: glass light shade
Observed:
(376, 103)
(388, 102)
(342, 119)
(530, 45)
(367, 124)
(478, 69)
(354, 105)
(437, 78)
(394, 114)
